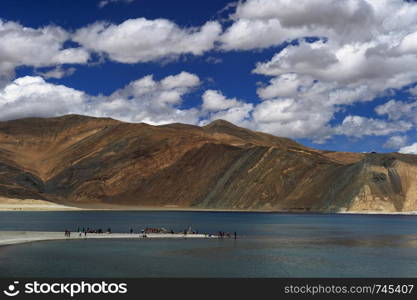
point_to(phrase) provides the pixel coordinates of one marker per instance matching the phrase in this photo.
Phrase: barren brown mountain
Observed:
(84, 161)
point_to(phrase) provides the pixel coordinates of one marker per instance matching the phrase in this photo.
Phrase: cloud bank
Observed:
(362, 49)
(143, 100)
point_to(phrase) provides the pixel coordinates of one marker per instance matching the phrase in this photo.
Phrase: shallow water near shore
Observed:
(268, 245)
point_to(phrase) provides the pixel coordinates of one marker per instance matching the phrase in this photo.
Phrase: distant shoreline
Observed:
(7, 204)
(40, 205)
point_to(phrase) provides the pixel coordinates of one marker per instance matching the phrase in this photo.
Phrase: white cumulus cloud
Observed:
(291, 118)
(215, 101)
(398, 110)
(363, 48)
(38, 47)
(216, 106)
(411, 149)
(357, 126)
(33, 97)
(143, 40)
(264, 23)
(143, 100)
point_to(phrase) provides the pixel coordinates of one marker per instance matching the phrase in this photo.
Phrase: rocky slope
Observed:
(84, 161)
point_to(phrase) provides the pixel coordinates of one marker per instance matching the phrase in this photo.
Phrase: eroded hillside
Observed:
(86, 161)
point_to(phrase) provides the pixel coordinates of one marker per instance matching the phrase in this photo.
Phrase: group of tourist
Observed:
(222, 234)
(84, 231)
(90, 230)
(143, 232)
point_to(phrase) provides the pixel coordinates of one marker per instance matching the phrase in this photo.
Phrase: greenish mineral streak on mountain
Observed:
(94, 162)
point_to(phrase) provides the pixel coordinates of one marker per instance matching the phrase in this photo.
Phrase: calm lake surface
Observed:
(268, 245)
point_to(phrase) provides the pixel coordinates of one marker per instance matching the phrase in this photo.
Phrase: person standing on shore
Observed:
(235, 234)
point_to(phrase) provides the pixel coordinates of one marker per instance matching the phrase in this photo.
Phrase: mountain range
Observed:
(103, 163)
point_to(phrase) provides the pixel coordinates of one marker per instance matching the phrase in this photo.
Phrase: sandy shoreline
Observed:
(7, 204)
(19, 237)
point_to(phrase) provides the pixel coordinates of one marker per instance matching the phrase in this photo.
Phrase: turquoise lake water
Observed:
(268, 245)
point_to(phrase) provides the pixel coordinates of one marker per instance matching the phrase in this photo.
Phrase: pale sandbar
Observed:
(19, 237)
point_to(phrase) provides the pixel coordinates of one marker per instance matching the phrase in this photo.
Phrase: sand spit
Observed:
(19, 237)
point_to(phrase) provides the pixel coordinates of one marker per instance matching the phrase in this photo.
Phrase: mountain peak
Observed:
(220, 122)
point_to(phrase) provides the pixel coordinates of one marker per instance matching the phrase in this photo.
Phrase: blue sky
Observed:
(329, 74)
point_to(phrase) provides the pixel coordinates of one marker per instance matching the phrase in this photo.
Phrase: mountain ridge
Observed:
(86, 161)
